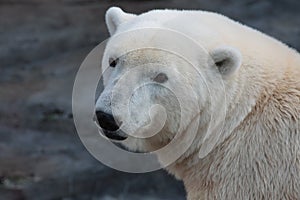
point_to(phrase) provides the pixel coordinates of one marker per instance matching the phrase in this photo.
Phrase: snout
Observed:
(109, 125)
(106, 121)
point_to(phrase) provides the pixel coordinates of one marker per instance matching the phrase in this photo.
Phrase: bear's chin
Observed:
(145, 145)
(114, 136)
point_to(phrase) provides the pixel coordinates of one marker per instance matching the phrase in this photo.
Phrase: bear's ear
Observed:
(227, 59)
(114, 17)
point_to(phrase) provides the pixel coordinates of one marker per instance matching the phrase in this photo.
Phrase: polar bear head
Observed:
(159, 83)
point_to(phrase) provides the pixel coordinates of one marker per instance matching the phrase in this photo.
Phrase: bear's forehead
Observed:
(154, 44)
(149, 56)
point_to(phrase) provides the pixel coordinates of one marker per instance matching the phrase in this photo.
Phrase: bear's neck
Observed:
(234, 155)
(200, 175)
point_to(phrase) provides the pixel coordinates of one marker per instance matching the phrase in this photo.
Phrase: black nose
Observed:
(106, 121)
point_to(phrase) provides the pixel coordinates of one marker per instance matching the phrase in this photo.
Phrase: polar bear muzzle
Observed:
(109, 126)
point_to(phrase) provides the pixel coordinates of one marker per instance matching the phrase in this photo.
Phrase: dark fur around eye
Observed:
(113, 62)
(161, 78)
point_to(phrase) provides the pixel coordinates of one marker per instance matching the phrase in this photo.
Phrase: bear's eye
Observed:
(160, 78)
(113, 62)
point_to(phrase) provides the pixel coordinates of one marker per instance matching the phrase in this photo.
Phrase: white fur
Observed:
(114, 17)
(255, 152)
(229, 58)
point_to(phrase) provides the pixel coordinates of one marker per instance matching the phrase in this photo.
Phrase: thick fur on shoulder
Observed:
(261, 157)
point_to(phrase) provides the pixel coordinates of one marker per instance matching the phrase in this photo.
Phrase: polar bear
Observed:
(250, 152)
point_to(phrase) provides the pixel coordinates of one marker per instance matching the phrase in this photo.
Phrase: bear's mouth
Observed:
(114, 135)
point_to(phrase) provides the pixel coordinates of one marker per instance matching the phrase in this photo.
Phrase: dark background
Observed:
(42, 44)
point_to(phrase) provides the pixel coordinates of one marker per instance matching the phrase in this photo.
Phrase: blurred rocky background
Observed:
(42, 44)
